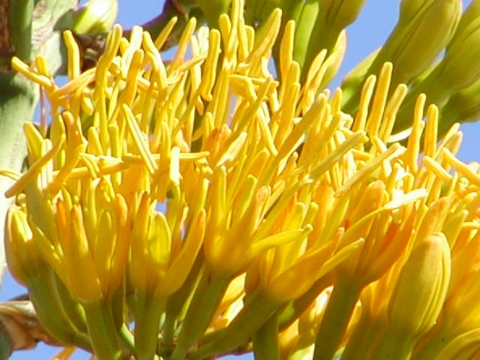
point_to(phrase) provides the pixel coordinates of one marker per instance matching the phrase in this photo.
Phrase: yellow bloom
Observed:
(204, 200)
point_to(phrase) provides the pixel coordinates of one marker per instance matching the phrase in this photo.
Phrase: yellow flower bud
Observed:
(465, 346)
(22, 253)
(58, 312)
(418, 296)
(96, 16)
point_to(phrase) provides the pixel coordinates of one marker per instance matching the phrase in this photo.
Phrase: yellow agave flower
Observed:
(220, 210)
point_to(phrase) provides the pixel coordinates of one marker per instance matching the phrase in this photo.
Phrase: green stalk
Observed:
(298, 306)
(258, 309)
(396, 346)
(20, 17)
(339, 310)
(366, 337)
(265, 340)
(147, 325)
(178, 301)
(102, 330)
(205, 301)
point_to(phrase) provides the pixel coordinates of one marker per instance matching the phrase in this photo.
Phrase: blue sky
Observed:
(368, 33)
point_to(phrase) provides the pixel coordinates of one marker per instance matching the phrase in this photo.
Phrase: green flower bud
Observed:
(333, 17)
(419, 39)
(258, 11)
(460, 66)
(353, 83)
(335, 59)
(338, 14)
(468, 17)
(305, 23)
(457, 70)
(418, 297)
(212, 9)
(463, 106)
(423, 30)
(96, 16)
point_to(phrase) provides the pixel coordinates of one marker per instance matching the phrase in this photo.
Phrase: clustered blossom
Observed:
(201, 207)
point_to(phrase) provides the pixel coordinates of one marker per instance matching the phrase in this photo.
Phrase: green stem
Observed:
(366, 337)
(339, 310)
(102, 330)
(205, 301)
(147, 326)
(127, 339)
(178, 302)
(20, 17)
(258, 309)
(396, 346)
(297, 307)
(265, 341)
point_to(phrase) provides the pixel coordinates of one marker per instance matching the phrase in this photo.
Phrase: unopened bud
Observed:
(460, 67)
(463, 106)
(96, 16)
(423, 30)
(22, 253)
(419, 295)
(212, 9)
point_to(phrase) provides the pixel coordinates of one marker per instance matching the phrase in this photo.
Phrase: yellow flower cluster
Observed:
(219, 210)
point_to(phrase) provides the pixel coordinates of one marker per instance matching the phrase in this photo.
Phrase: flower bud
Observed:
(96, 16)
(419, 294)
(460, 66)
(463, 106)
(334, 60)
(58, 312)
(212, 9)
(333, 17)
(468, 17)
(457, 70)
(258, 11)
(338, 14)
(464, 346)
(418, 38)
(422, 32)
(22, 253)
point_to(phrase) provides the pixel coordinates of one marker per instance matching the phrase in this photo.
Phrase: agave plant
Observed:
(214, 205)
